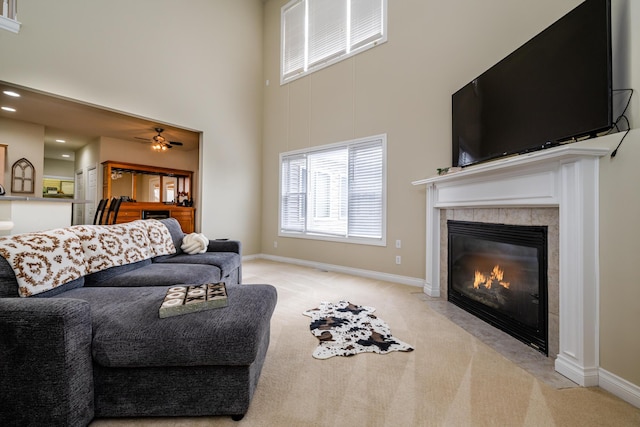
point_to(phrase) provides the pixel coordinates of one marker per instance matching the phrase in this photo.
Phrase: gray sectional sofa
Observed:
(96, 347)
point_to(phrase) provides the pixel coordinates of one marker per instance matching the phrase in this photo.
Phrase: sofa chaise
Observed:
(91, 343)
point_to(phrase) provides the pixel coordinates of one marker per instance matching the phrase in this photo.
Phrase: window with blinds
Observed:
(335, 192)
(317, 33)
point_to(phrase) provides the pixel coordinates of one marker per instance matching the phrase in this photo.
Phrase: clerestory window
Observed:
(318, 33)
(9, 15)
(335, 192)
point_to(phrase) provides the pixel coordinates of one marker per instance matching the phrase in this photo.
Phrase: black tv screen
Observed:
(554, 88)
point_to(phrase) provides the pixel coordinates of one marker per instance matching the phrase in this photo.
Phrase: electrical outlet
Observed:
(275, 243)
(398, 244)
(398, 259)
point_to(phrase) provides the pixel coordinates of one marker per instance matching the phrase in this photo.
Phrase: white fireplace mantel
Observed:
(565, 177)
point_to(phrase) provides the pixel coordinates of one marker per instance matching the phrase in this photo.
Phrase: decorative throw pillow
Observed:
(107, 246)
(42, 261)
(160, 241)
(195, 243)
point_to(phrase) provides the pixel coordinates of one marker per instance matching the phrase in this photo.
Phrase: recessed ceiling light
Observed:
(62, 141)
(11, 93)
(66, 155)
(13, 110)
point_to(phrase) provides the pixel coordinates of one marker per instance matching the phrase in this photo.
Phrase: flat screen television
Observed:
(557, 87)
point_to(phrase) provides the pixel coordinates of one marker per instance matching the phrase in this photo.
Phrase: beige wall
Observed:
(23, 140)
(197, 66)
(403, 88)
(124, 151)
(58, 168)
(619, 260)
(619, 214)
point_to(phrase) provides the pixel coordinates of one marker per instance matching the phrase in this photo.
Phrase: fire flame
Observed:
(497, 275)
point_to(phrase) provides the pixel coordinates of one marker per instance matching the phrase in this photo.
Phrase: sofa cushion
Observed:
(9, 284)
(104, 276)
(155, 274)
(225, 261)
(176, 232)
(127, 331)
(42, 261)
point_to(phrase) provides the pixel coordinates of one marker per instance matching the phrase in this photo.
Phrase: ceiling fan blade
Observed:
(175, 143)
(142, 139)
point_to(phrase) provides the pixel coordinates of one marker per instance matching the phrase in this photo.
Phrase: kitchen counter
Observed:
(23, 214)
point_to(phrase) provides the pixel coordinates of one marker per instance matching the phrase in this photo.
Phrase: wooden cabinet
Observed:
(186, 218)
(153, 192)
(130, 211)
(128, 214)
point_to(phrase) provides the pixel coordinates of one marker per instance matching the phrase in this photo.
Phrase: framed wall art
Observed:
(23, 176)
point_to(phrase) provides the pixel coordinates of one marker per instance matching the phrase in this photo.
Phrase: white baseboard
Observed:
(376, 275)
(431, 291)
(620, 387)
(568, 366)
(250, 257)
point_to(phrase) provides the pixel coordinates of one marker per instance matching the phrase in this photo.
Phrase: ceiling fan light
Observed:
(159, 142)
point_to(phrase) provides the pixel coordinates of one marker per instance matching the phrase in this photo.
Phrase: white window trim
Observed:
(9, 16)
(319, 66)
(9, 24)
(382, 241)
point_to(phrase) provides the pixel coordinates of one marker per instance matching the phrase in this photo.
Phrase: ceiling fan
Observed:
(159, 142)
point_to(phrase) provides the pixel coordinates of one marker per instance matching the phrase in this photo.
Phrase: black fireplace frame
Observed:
(530, 236)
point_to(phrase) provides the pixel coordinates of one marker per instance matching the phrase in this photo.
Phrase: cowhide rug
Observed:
(346, 329)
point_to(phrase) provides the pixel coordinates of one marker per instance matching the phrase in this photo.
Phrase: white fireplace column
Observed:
(565, 177)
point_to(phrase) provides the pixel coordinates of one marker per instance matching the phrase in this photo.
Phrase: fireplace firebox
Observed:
(498, 272)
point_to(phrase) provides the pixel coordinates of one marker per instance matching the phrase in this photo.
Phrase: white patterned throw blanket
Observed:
(346, 329)
(107, 246)
(44, 260)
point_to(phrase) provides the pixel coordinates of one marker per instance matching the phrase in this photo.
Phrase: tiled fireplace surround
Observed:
(556, 187)
(513, 216)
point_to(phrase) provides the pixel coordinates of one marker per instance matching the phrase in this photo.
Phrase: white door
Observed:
(79, 208)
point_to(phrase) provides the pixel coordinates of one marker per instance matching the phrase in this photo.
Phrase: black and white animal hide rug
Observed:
(346, 329)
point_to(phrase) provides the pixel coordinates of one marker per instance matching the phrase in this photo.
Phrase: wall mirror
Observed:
(143, 183)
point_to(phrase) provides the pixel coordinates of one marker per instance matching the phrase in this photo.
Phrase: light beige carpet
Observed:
(450, 379)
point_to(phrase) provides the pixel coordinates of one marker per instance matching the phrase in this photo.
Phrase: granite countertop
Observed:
(42, 199)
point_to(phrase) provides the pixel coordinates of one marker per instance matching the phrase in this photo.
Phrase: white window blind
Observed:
(365, 190)
(327, 35)
(335, 192)
(317, 33)
(293, 38)
(294, 193)
(366, 22)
